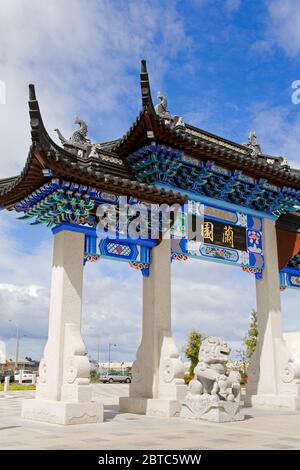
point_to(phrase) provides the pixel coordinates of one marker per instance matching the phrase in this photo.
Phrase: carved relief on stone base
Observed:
(210, 408)
(59, 412)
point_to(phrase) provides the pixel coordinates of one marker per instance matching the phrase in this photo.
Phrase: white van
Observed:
(26, 375)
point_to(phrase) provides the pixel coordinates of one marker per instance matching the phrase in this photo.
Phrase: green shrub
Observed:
(192, 347)
(94, 375)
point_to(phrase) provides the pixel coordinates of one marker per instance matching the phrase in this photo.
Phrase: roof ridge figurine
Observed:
(253, 145)
(256, 151)
(162, 111)
(78, 138)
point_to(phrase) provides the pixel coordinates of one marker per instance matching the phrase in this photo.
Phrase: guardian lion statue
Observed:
(214, 393)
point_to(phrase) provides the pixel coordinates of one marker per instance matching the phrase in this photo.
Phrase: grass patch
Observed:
(17, 386)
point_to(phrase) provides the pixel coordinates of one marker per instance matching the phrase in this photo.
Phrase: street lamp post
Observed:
(109, 347)
(98, 351)
(17, 343)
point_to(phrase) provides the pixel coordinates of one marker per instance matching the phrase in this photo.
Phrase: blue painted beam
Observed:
(217, 202)
(93, 232)
(292, 271)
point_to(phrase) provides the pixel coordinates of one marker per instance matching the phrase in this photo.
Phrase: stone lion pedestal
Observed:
(209, 409)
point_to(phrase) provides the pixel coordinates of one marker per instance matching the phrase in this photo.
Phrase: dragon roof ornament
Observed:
(79, 139)
(256, 152)
(162, 111)
(254, 147)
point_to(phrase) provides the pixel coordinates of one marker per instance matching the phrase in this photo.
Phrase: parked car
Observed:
(6, 373)
(26, 375)
(111, 378)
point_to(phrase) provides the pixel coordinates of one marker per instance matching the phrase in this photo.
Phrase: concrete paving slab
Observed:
(265, 429)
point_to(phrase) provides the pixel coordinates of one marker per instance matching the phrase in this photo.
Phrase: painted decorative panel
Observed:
(216, 234)
(136, 253)
(290, 278)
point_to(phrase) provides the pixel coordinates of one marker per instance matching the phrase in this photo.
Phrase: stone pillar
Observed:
(273, 377)
(63, 393)
(157, 386)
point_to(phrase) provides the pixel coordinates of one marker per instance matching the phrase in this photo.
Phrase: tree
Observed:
(250, 339)
(242, 353)
(191, 350)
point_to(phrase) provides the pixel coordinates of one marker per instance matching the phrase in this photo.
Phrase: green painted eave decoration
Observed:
(60, 206)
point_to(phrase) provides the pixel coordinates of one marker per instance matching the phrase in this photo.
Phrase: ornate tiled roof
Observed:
(94, 165)
(108, 165)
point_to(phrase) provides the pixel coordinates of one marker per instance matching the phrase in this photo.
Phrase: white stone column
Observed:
(157, 387)
(272, 374)
(63, 393)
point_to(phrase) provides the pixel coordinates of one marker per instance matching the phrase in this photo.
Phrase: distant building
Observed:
(117, 366)
(22, 364)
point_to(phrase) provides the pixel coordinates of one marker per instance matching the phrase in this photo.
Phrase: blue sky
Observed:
(225, 65)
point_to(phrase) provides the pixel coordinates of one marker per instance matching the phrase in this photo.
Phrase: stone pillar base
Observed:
(150, 406)
(59, 412)
(290, 402)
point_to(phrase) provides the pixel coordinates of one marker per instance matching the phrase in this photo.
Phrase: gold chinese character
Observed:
(228, 235)
(208, 231)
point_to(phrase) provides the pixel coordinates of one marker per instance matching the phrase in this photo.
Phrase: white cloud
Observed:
(203, 298)
(232, 5)
(24, 284)
(277, 129)
(284, 25)
(215, 299)
(277, 126)
(31, 290)
(84, 58)
(282, 28)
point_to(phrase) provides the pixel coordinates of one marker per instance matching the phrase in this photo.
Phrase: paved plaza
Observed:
(261, 430)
